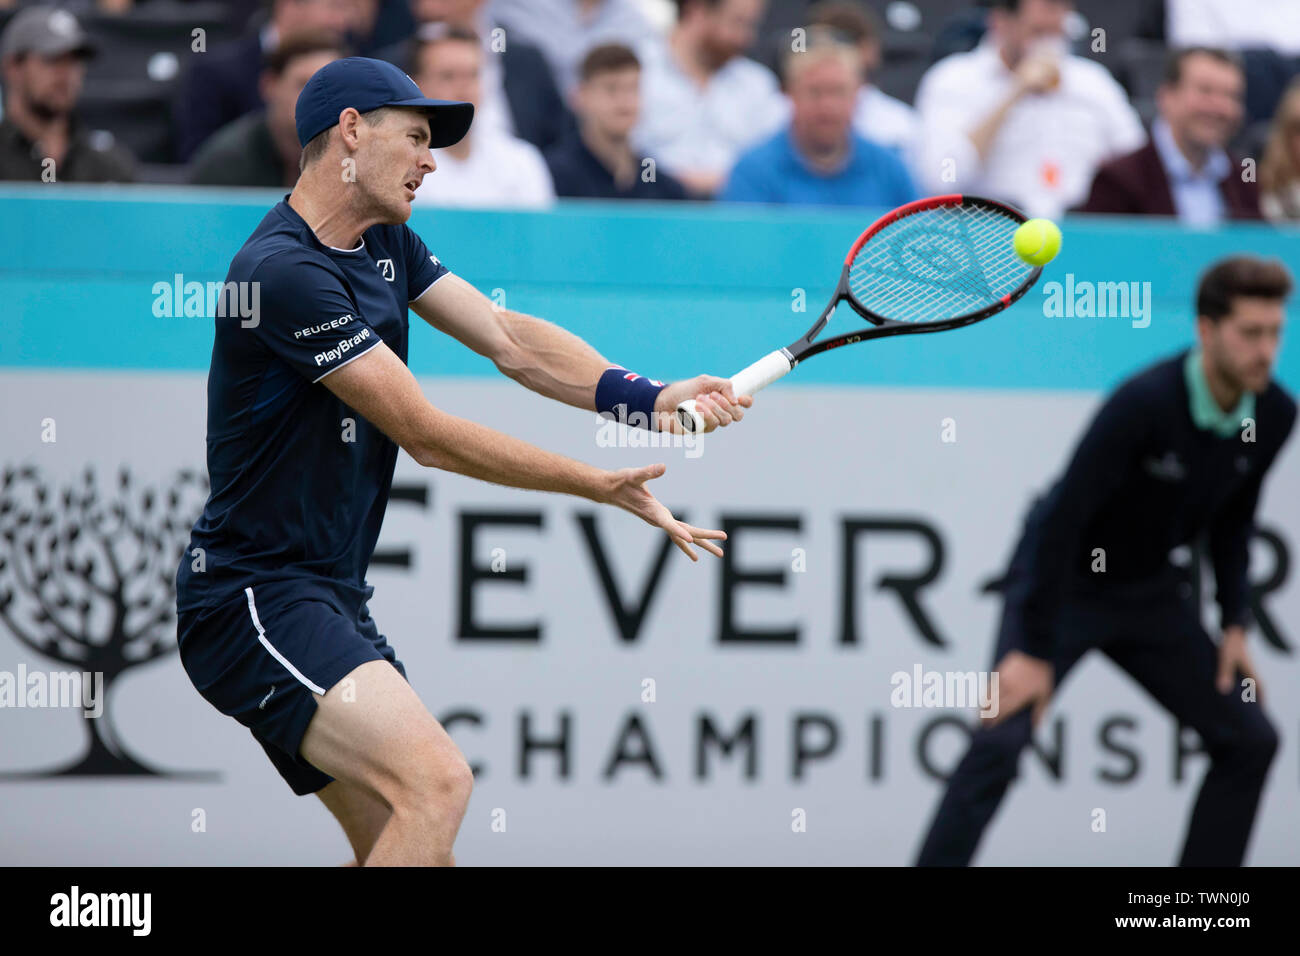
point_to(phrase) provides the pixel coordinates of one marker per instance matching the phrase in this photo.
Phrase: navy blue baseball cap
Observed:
(366, 84)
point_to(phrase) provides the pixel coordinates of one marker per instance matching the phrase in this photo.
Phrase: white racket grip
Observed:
(745, 382)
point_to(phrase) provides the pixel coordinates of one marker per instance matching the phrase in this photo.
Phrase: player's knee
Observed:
(439, 782)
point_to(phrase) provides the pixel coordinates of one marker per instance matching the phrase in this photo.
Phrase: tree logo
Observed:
(87, 579)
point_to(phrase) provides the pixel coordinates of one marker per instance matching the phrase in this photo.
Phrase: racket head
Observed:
(937, 263)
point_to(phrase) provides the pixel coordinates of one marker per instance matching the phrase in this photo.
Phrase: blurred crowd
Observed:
(1183, 108)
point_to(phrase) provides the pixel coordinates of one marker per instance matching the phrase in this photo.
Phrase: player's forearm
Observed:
(467, 448)
(551, 361)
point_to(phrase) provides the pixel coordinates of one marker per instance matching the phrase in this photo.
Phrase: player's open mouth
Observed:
(412, 185)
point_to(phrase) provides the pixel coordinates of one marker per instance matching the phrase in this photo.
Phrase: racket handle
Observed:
(745, 382)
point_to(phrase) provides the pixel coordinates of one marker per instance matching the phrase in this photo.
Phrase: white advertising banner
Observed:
(619, 704)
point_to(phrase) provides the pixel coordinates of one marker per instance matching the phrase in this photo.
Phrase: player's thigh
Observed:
(371, 730)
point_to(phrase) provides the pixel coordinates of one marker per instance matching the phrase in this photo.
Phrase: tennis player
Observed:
(308, 404)
(1177, 452)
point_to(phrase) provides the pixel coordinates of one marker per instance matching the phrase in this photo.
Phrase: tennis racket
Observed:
(934, 264)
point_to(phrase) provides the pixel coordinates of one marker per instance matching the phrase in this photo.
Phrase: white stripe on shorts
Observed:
(261, 636)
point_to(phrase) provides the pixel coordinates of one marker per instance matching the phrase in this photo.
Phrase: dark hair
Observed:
(607, 58)
(856, 22)
(1174, 60)
(304, 43)
(1240, 276)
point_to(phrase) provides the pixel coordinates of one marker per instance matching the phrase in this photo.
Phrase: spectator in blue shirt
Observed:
(818, 159)
(596, 161)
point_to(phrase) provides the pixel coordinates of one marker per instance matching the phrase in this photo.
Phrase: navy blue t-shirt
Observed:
(299, 480)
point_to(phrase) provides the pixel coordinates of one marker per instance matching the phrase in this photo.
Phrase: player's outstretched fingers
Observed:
(648, 472)
(704, 537)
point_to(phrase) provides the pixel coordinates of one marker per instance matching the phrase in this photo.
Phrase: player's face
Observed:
(1243, 345)
(1205, 106)
(392, 160)
(611, 101)
(450, 71)
(50, 86)
(823, 96)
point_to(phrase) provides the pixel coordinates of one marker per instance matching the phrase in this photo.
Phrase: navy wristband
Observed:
(627, 397)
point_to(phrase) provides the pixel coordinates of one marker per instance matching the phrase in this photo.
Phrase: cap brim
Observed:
(448, 120)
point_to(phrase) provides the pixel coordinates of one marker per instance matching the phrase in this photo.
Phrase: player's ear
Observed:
(1205, 327)
(350, 128)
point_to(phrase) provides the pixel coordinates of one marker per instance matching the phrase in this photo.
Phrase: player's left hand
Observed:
(1235, 663)
(628, 491)
(715, 399)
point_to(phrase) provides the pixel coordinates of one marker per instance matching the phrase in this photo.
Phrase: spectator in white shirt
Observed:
(488, 167)
(1019, 118)
(879, 117)
(567, 29)
(703, 101)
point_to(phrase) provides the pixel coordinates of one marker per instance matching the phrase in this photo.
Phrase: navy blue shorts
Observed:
(261, 656)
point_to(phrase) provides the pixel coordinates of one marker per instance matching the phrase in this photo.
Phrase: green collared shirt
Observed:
(1206, 413)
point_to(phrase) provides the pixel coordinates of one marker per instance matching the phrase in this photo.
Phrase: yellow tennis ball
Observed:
(1037, 241)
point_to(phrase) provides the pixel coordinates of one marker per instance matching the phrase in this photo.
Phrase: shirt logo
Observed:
(332, 324)
(344, 346)
(1167, 468)
(434, 260)
(386, 267)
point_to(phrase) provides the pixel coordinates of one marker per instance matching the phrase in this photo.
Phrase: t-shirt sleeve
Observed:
(423, 268)
(307, 317)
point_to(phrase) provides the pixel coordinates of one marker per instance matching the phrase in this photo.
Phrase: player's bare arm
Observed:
(554, 362)
(383, 390)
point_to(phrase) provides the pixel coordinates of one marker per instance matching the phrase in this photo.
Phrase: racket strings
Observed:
(939, 263)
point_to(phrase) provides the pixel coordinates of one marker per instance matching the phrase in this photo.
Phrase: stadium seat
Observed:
(1139, 65)
(905, 59)
(129, 85)
(1134, 29)
(134, 111)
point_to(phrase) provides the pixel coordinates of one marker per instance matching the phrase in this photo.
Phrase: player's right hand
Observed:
(1022, 680)
(630, 493)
